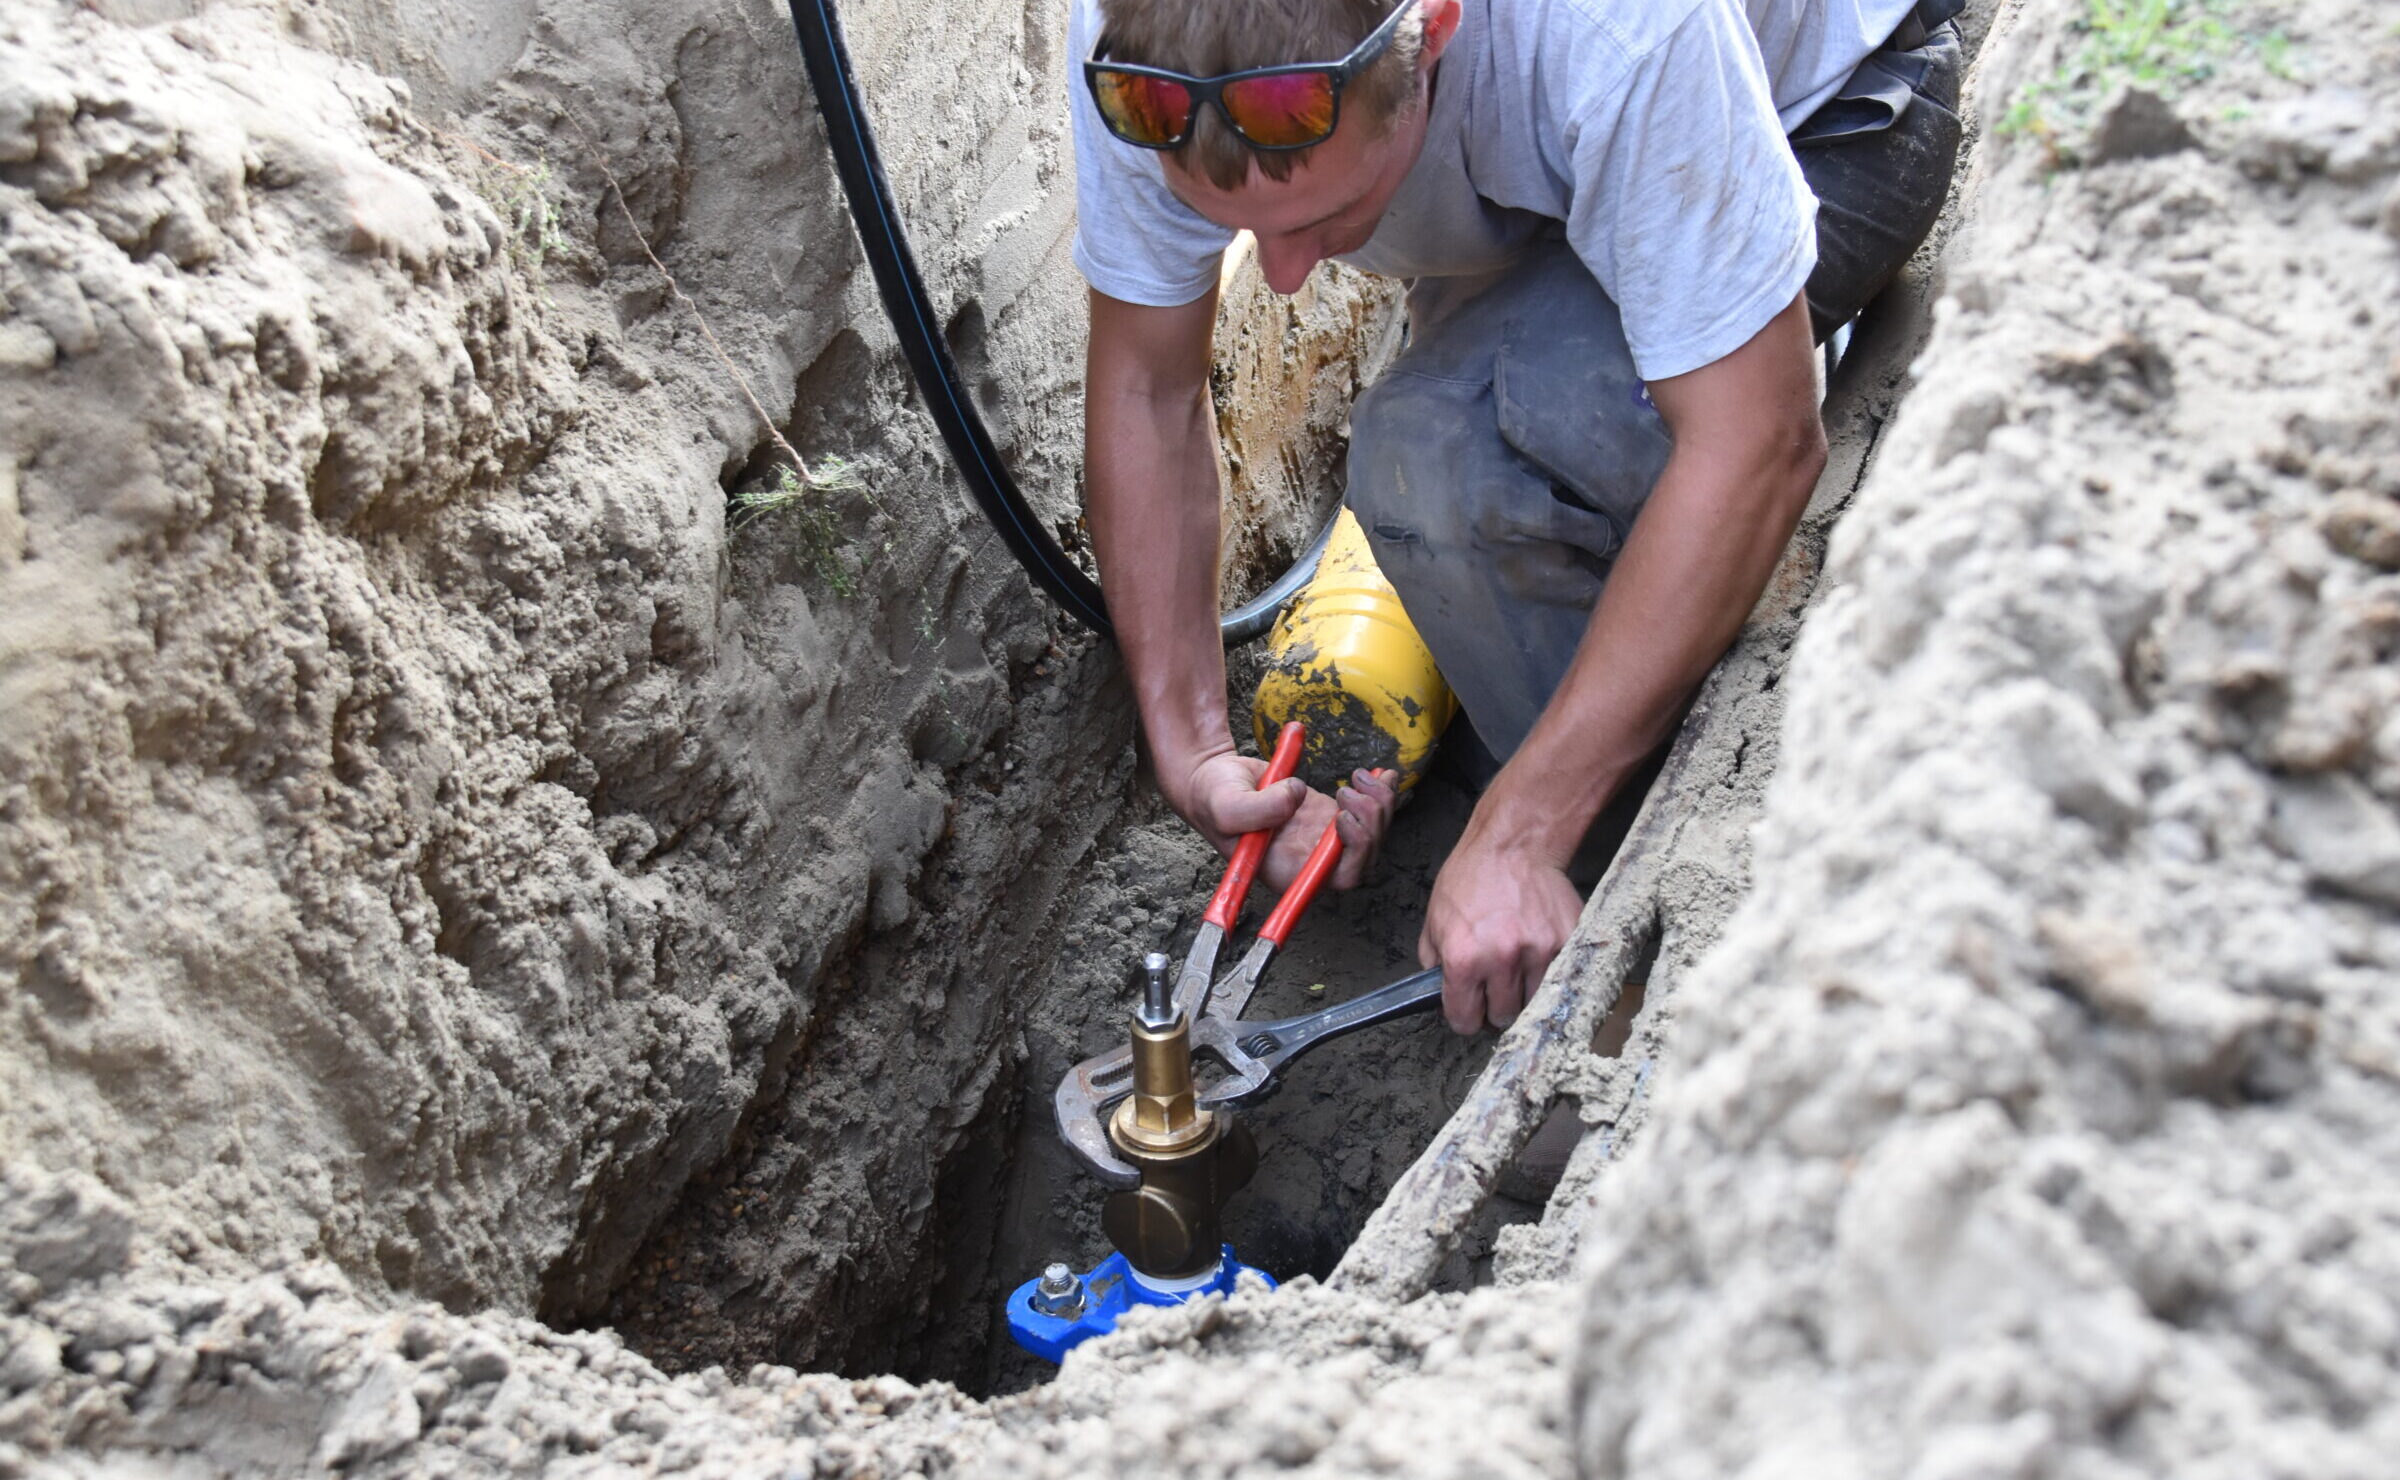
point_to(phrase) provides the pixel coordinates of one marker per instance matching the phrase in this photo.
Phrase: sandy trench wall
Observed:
(426, 829)
(2040, 1109)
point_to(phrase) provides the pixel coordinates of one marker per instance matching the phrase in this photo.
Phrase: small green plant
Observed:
(2164, 45)
(527, 198)
(804, 505)
(2275, 54)
(949, 728)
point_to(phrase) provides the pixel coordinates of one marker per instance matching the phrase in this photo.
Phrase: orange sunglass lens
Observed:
(1282, 111)
(1144, 110)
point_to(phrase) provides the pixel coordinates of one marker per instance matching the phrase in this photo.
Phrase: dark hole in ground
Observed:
(1349, 1118)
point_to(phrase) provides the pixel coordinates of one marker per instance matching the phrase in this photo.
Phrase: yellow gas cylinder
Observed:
(1345, 660)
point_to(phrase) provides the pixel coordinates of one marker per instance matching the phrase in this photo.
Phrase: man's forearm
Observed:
(1680, 591)
(1150, 470)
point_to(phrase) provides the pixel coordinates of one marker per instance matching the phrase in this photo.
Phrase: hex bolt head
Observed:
(1060, 1293)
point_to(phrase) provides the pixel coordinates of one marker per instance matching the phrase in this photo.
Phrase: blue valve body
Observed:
(1108, 1292)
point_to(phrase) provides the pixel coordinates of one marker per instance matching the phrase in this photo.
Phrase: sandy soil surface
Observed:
(393, 757)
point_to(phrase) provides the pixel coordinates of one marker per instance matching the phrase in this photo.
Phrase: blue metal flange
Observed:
(1102, 1298)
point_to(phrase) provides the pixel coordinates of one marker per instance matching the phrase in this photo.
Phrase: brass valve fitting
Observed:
(1191, 1160)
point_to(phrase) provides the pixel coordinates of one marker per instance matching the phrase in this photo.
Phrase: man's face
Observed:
(1336, 194)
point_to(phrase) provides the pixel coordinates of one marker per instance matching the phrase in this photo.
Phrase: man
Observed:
(1625, 223)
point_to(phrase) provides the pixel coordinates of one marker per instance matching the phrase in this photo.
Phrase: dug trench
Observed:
(748, 1266)
(922, 1074)
(1007, 1197)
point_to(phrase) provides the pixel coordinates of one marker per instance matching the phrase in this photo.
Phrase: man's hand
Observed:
(1497, 916)
(1219, 796)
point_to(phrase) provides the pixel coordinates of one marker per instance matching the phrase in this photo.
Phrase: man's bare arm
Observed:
(1749, 445)
(1150, 476)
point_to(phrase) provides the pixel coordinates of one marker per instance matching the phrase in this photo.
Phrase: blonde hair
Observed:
(1207, 37)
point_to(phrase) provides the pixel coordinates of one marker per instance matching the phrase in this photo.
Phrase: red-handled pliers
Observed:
(1230, 997)
(1192, 994)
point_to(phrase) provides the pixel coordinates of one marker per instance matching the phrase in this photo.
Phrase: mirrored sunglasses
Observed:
(1286, 107)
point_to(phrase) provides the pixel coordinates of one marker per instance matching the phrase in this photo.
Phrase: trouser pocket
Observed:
(1568, 402)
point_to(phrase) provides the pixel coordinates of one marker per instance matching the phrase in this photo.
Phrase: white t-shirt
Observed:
(1653, 129)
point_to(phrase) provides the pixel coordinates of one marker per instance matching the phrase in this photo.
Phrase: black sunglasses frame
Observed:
(1209, 91)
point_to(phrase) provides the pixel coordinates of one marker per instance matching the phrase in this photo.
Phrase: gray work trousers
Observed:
(1498, 465)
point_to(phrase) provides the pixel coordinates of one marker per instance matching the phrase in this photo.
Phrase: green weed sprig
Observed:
(2164, 45)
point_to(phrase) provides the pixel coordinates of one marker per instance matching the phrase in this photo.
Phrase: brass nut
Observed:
(1162, 1116)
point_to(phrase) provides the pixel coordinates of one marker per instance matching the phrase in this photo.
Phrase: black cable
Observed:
(1253, 617)
(902, 288)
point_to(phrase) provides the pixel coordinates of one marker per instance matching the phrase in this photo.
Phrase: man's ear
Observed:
(1441, 24)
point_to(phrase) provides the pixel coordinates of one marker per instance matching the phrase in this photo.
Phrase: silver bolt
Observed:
(1059, 1294)
(1158, 1001)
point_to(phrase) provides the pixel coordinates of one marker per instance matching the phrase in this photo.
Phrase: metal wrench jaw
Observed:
(1191, 986)
(1082, 1104)
(1248, 1078)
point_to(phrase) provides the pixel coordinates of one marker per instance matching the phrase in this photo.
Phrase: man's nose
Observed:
(1285, 262)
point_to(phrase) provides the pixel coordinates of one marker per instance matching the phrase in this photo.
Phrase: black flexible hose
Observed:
(902, 288)
(1253, 617)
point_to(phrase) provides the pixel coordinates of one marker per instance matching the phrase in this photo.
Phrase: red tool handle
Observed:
(1225, 906)
(1313, 874)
